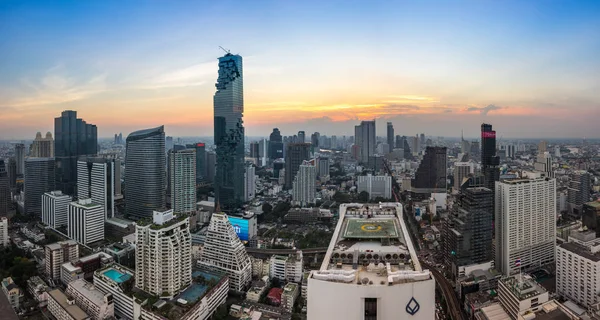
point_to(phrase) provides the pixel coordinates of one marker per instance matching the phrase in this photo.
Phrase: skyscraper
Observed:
(42, 147)
(431, 173)
(97, 179)
(275, 145)
(145, 179)
(55, 208)
(183, 180)
(461, 171)
(4, 190)
(224, 252)
(250, 183)
(314, 139)
(163, 254)
(39, 179)
(20, 158)
(365, 138)
(467, 232)
(525, 223)
(489, 159)
(229, 132)
(390, 136)
(73, 138)
(11, 168)
(301, 137)
(86, 221)
(579, 191)
(200, 160)
(304, 185)
(295, 154)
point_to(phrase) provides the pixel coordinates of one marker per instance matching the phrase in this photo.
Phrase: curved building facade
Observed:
(229, 132)
(145, 178)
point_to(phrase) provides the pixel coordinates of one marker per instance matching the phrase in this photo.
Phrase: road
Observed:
(447, 291)
(452, 303)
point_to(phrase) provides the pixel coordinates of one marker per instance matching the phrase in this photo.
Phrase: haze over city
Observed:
(530, 68)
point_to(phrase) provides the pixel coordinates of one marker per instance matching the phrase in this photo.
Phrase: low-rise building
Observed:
(257, 289)
(520, 293)
(286, 268)
(96, 304)
(84, 267)
(289, 295)
(12, 292)
(38, 289)
(57, 254)
(122, 253)
(274, 296)
(578, 271)
(63, 307)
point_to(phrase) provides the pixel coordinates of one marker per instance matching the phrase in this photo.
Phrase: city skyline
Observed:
(527, 68)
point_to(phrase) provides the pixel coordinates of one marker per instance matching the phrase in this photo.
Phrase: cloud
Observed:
(484, 110)
(57, 86)
(194, 75)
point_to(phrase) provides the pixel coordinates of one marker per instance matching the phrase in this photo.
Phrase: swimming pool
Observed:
(117, 276)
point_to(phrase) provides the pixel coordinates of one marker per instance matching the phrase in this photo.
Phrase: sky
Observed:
(530, 68)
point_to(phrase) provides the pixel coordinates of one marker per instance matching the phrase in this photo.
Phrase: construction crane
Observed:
(226, 51)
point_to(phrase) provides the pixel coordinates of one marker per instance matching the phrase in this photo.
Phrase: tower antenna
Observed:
(226, 51)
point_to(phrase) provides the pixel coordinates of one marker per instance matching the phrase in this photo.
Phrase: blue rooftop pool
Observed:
(193, 292)
(117, 276)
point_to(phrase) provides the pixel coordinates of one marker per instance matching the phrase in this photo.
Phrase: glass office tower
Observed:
(229, 133)
(145, 176)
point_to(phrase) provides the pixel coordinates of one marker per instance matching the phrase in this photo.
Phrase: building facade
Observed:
(365, 139)
(295, 155)
(431, 174)
(145, 179)
(73, 138)
(4, 238)
(376, 186)
(250, 183)
(229, 132)
(304, 184)
(92, 301)
(224, 252)
(366, 279)
(183, 180)
(58, 253)
(163, 257)
(42, 147)
(85, 221)
(39, 179)
(63, 307)
(578, 272)
(5, 200)
(468, 230)
(525, 221)
(55, 208)
(99, 179)
(489, 160)
(579, 190)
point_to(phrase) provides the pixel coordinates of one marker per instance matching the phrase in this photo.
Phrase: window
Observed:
(370, 308)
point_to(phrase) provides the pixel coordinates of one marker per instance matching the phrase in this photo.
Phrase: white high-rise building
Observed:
(163, 254)
(376, 186)
(304, 184)
(224, 252)
(183, 180)
(55, 208)
(4, 239)
(85, 221)
(462, 171)
(322, 167)
(97, 179)
(286, 268)
(250, 182)
(371, 269)
(578, 268)
(525, 223)
(365, 139)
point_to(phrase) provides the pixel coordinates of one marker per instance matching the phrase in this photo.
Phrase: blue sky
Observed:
(427, 66)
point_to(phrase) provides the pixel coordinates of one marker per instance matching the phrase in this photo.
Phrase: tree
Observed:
(363, 196)
(342, 197)
(267, 208)
(221, 313)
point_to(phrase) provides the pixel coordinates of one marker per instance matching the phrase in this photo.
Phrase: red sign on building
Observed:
(488, 134)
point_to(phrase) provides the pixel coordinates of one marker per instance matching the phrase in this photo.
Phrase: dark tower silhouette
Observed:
(489, 160)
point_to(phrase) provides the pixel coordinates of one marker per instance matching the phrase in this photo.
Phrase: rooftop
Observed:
(369, 247)
(88, 290)
(581, 251)
(73, 310)
(594, 204)
(60, 244)
(523, 287)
